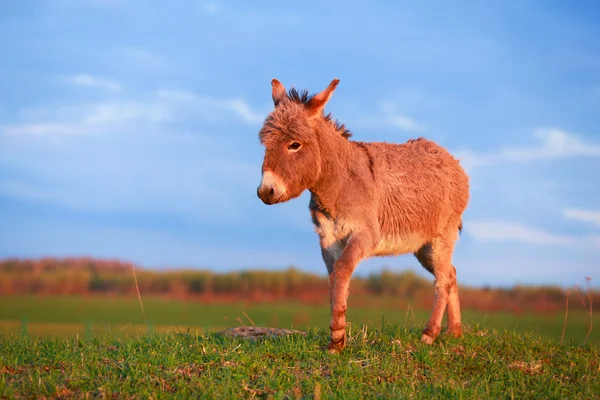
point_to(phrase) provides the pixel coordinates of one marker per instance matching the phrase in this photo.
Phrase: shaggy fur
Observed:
(367, 199)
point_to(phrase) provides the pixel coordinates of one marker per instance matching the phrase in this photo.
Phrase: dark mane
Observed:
(300, 97)
(341, 128)
(304, 97)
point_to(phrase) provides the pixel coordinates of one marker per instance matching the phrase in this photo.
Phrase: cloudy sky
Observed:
(129, 128)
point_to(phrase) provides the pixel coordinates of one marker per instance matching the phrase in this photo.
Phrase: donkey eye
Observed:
(294, 146)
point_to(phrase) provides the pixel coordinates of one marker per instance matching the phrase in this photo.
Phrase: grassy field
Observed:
(122, 316)
(388, 363)
(78, 347)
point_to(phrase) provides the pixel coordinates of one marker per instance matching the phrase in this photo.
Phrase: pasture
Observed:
(89, 346)
(388, 363)
(121, 316)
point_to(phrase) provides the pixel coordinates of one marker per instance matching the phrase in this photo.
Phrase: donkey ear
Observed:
(316, 105)
(278, 92)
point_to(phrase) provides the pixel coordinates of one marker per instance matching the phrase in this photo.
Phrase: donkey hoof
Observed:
(455, 331)
(428, 336)
(336, 347)
(333, 348)
(425, 338)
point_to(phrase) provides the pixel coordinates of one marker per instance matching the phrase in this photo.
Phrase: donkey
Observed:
(367, 199)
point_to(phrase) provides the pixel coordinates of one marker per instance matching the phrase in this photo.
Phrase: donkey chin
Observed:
(270, 199)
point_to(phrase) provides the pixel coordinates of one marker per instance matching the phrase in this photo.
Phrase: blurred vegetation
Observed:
(86, 276)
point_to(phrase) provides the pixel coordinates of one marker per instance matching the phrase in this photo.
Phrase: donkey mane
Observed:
(304, 97)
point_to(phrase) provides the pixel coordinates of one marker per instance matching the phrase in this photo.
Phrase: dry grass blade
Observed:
(409, 309)
(529, 368)
(588, 307)
(249, 319)
(137, 289)
(591, 303)
(566, 316)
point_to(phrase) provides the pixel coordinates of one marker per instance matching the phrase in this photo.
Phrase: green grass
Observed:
(121, 316)
(80, 347)
(377, 364)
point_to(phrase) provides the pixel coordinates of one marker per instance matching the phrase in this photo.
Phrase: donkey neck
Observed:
(337, 155)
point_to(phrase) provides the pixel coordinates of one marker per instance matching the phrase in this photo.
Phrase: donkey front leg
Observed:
(339, 278)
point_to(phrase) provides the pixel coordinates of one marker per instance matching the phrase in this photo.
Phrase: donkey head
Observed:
(292, 160)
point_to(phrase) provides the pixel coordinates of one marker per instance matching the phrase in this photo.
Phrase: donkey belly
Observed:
(399, 244)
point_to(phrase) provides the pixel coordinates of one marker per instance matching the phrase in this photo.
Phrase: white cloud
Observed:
(124, 112)
(93, 81)
(387, 115)
(403, 122)
(587, 216)
(243, 110)
(396, 119)
(211, 105)
(46, 129)
(507, 231)
(494, 230)
(554, 144)
(161, 107)
(91, 119)
(177, 95)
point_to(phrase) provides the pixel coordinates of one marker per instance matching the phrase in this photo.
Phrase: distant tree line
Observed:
(88, 276)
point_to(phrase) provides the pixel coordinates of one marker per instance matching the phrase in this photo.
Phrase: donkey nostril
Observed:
(272, 192)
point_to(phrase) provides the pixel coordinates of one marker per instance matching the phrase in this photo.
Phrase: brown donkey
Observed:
(367, 199)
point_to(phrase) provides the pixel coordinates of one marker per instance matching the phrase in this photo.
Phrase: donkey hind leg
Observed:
(339, 279)
(454, 321)
(436, 258)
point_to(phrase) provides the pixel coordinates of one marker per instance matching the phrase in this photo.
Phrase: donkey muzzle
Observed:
(271, 189)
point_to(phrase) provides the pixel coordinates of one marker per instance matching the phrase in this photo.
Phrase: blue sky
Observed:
(129, 129)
